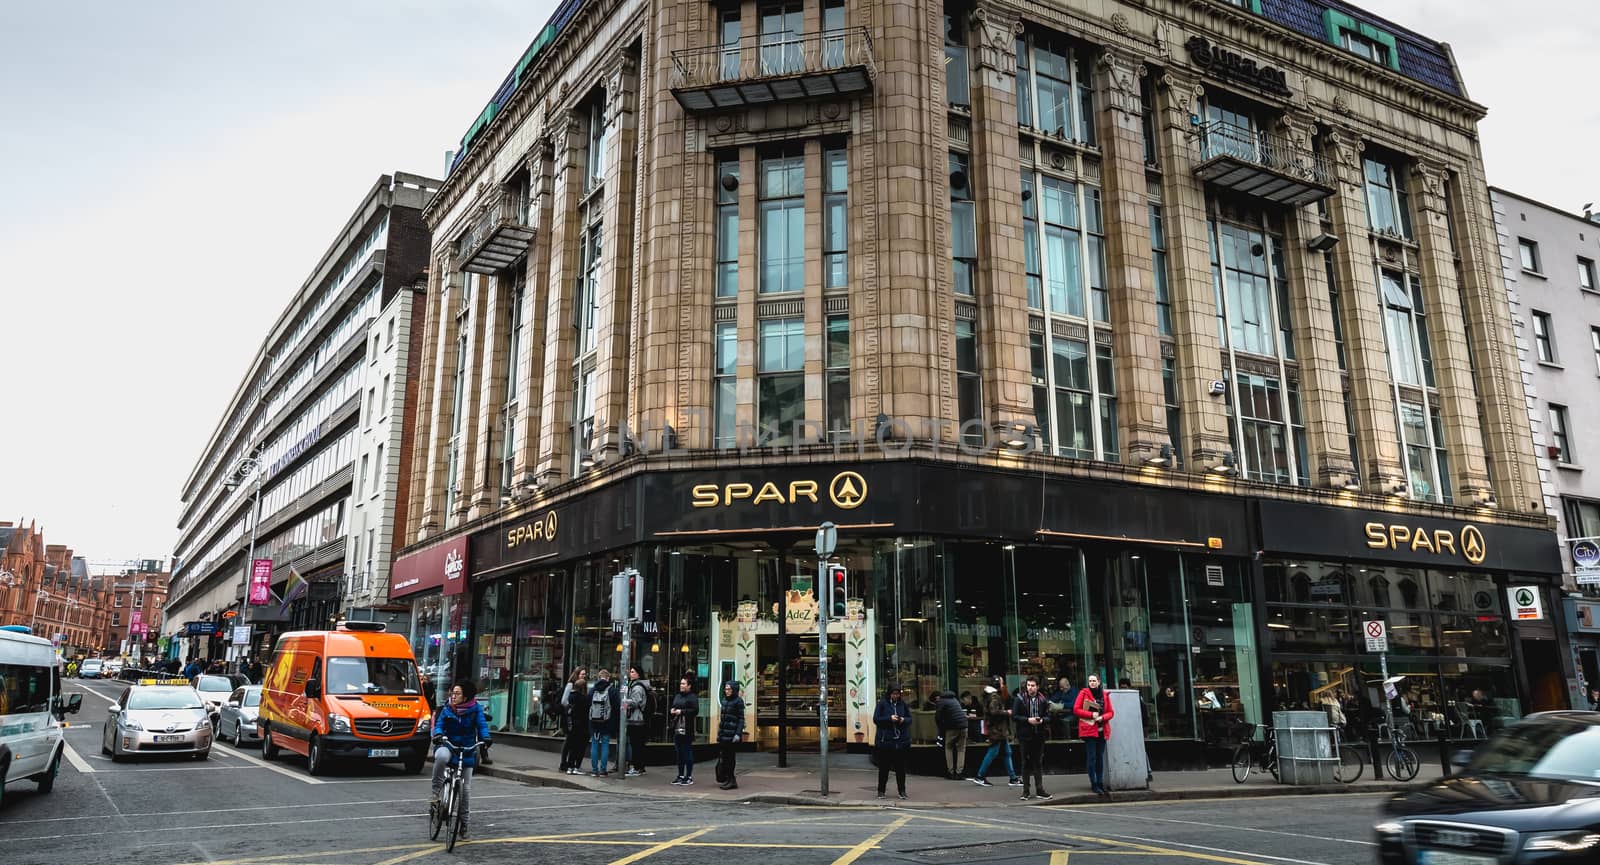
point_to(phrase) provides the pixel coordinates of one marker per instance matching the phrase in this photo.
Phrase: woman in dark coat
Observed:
(680, 720)
(730, 732)
(893, 720)
(575, 705)
(997, 720)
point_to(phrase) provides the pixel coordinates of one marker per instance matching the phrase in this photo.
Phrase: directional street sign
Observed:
(1377, 636)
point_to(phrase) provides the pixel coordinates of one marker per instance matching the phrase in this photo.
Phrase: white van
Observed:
(31, 709)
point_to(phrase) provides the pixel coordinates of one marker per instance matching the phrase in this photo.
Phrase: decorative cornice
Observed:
(998, 30)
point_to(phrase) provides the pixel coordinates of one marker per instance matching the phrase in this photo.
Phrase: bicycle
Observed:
(1401, 762)
(1249, 754)
(1351, 764)
(446, 813)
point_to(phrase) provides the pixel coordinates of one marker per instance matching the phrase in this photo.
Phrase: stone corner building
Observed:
(1161, 340)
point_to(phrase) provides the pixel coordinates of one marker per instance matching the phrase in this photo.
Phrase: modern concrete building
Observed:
(1549, 260)
(1165, 340)
(277, 474)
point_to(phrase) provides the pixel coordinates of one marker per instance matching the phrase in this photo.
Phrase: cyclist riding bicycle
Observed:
(461, 724)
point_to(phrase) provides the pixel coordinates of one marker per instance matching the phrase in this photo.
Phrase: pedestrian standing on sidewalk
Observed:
(680, 719)
(600, 719)
(730, 732)
(1094, 727)
(637, 706)
(1031, 714)
(953, 719)
(575, 704)
(997, 720)
(893, 720)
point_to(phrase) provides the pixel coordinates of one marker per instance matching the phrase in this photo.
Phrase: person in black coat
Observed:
(893, 720)
(730, 732)
(1030, 715)
(680, 721)
(575, 706)
(953, 719)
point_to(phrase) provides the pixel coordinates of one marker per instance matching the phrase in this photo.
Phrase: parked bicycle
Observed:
(1351, 762)
(1401, 762)
(448, 812)
(1252, 754)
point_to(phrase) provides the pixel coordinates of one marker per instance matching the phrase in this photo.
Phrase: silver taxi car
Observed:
(158, 716)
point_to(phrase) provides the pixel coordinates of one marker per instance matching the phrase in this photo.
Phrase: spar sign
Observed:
(1526, 603)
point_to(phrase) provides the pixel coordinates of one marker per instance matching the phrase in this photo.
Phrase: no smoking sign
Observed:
(1377, 636)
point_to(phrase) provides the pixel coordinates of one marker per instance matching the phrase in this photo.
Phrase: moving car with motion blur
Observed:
(157, 716)
(1530, 794)
(91, 668)
(236, 720)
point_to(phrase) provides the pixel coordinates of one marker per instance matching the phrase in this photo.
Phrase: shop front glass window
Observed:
(493, 621)
(540, 668)
(1226, 688)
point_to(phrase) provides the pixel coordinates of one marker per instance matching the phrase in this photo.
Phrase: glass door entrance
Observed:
(796, 676)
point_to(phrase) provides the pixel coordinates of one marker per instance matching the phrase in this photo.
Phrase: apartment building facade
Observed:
(47, 588)
(1549, 257)
(276, 477)
(138, 592)
(1160, 340)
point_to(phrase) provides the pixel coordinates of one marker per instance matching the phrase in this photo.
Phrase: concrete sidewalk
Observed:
(852, 780)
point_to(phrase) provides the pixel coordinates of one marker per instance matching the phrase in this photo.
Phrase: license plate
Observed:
(1445, 857)
(162, 740)
(383, 752)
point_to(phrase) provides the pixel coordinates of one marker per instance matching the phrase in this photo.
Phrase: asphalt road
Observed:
(238, 810)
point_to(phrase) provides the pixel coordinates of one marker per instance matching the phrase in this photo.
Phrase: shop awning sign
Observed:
(1586, 561)
(1526, 604)
(1377, 634)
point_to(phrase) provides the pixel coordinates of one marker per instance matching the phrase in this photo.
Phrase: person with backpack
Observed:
(893, 720)
(600, 718)
(636, 705)
(730, 732)
(953, 719)
(1030, 711)
(575, 708)
(685, 706)
(997, 720)
(1093, 709)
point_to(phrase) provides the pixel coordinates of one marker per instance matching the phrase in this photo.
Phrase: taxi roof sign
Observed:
(163, 682)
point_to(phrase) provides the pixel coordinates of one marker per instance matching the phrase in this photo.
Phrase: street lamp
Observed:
(246, 469)
(39, 597)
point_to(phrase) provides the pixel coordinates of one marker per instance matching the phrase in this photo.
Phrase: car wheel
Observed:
(47, 781)
(116, 749)
(316, 761)
(104, 748)
(269, 751)
(413, 765)
(203, 755)
(238, 735)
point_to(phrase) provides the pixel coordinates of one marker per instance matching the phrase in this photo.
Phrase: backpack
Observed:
(600, 707)
(649, 707)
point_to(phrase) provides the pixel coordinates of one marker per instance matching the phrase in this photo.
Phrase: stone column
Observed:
(613, 299)
(1487, 317)
(442, 351)
(1371, 397)
(489, 397)
(1197, 350)
(555, 399)
(1002, 295)
(1130, 275)
(422, 519)
(474, 321)
(1452, 364)
(536, 326)
(1311, 320)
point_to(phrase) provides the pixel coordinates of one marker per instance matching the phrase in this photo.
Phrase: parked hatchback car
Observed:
(236, 720)
(1531, 793)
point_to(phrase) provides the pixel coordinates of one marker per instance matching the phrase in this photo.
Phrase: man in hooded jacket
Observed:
(893, 720)
(953, 719)
(730, 732)
(633, 705)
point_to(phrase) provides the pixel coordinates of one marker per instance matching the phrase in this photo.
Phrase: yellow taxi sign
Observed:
(163, 682)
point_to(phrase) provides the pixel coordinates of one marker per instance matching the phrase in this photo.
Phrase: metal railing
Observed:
(1222, 140)
(507, 208)
(774, 55)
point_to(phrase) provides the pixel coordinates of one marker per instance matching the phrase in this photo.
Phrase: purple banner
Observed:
(260, 582)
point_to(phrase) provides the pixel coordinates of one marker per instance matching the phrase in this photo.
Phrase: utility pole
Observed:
(627, 605)
(827, 542)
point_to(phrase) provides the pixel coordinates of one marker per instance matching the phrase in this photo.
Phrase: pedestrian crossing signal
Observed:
(838, 591)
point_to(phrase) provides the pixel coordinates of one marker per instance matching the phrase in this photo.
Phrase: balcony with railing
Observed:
(768, 69)
(1262, 165)
(498, 235)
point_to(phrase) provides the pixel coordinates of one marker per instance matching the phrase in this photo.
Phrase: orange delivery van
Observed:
(350, 693)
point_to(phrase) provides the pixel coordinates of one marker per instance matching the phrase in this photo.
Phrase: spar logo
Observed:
(453, 564)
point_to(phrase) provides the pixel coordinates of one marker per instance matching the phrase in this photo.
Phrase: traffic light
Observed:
(635, 594)
(838, 593)
(627, 596)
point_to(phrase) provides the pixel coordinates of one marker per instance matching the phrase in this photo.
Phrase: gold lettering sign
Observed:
(1469, 544)
(541, 530)
(847, 490)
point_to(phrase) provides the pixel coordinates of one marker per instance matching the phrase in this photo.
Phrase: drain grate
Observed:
(993, 850)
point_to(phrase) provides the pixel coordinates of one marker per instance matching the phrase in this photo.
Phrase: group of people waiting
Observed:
(1023, 721)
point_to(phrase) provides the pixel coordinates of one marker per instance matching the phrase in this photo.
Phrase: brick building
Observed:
(1163, 340)
(138, 591)
(47, 588)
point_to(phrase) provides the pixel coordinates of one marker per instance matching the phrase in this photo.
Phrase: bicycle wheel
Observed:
(1272, 761)
(1402, 764)
(1350, 766)
(1241, 763)
(438, 814)
(455, 819)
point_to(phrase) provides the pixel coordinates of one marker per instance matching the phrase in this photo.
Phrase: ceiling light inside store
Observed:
(1276, 626)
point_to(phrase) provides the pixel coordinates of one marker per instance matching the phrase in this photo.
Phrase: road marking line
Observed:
(1238, 828)
(253, 808)
(77, 762)
(1059, 857)
(407, 857)
(861, 849)
(1134, 842)
(89, 690)
(664, 845)
(298, 776)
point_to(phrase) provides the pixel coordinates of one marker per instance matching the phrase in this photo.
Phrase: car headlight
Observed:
(1390, 827)
(130, 724)
(423, 724)
(339, 723)
(1563, 842)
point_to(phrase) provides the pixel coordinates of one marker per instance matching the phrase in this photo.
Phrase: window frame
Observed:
(770, 376)
(1544, 341)
(790, 203)
(1560, 433)
(1528, 256)
(1586, 275)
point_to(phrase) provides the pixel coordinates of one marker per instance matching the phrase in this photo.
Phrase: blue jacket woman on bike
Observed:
(462, 724)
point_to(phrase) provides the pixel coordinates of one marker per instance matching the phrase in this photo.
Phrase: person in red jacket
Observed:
(1094, 727)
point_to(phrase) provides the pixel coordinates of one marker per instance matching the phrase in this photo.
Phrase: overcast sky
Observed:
(171, 171)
